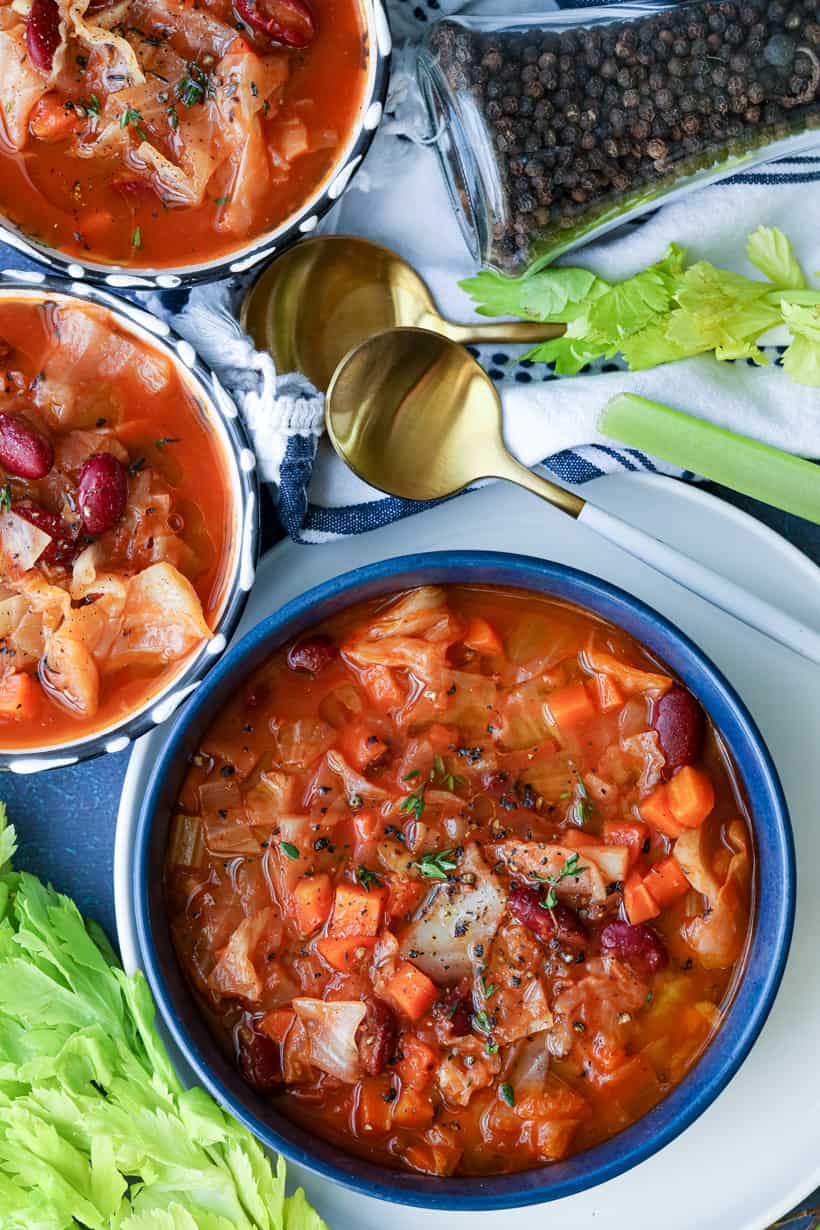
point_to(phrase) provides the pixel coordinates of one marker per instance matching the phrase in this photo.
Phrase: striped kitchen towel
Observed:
(398, 198)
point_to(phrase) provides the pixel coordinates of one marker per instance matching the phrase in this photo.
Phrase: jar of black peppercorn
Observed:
(555, 128)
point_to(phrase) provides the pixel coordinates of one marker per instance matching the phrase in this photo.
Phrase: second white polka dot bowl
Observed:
(239, 468)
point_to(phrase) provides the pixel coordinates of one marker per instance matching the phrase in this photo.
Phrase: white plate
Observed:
(755, 1153)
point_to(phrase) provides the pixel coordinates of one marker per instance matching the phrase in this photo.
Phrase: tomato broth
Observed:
(462, 880)
(206, 133)
(115, 525)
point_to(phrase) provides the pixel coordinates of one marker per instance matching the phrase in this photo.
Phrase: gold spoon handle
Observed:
(567, 501)
(505, 331)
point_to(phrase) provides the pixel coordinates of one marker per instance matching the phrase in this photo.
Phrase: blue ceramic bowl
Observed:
(775, 889)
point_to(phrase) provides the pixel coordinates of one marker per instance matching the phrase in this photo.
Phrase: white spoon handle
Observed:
(745, 606)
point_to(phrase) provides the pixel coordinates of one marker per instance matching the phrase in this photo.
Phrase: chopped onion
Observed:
(21, 542)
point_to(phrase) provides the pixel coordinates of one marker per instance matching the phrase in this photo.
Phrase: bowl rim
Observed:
(767, 949)
(302, 221)
(240, 464)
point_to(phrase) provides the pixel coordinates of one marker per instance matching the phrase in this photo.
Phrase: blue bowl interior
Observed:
(766, 955)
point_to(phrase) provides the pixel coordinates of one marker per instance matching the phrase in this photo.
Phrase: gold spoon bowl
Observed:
(326, 295)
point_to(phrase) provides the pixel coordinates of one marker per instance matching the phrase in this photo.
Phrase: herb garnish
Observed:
(93, 105)
(437, 864)
(173, 118)
(408, 777)
(132, 117)
(5, 498)
(368, 879)
(222, 200)
(136, 238)
(414, 803)
(482, 1022)
(194, 86)
(492, 1047)
(570, 868)
(289, 848)
(439, 773)
(163, 440)
(489, 989)
(506, 1091)
(136, 466)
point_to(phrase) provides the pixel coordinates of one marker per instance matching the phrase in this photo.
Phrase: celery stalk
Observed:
(745, 465)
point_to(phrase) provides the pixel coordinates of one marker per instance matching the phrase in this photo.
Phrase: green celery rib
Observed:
(765, 473)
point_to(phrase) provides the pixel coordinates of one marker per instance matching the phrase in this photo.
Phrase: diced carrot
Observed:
(412, 1110)
(19, 697)
(52, 119)
(438, 1158)
(345, 954)
(608, 695)
(577, 838)
(418, 1062)
(655, 810)
(482, 636)
(639, 902)
(373, 1106)
(357, 910)
(312, 897)
(277, 1023)
(403, 895)
(629, 833)
(665, 882)
(570, 706)
(411, 991)
(691, 796)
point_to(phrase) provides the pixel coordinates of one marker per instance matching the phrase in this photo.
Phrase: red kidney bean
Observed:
(376, 1036)
(289, 22)
(457, 1009)
(24, 451)
(43, 33)
(312, 654)
(636, 944)
(63, 546)
(101, 492)
(524, 903)
(679, 721)
(260, 1058)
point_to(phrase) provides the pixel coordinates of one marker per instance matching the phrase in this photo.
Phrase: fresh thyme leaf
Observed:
(136, 238)
(368, 879)
(409, 777)
(289, 848)
(164, 440)
(569, 869)
(439, 773)
(489, 989)
(221, 200)
(492, 1047)
(173, 118)
(482, 1022)
(437, 864)
(5, 498)
(413, 804)
(93, 105)
(194, 86)
(506, 1091)
(132, 117)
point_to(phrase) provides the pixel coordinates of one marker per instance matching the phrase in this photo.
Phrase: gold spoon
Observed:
(327, 294)
(414, 415)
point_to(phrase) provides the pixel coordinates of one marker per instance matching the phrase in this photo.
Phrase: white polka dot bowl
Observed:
(377, 45)
(239, 468)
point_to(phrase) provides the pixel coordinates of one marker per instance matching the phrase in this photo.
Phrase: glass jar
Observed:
(552, 129)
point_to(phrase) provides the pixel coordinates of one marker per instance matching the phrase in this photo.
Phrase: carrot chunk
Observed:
(347, 953)
(412, 1110)
(418, 1062)
(403, 896)
(665, 882)
(639, 902)
(656, 811)
(19, 697)
(373, 1106)
(570, 706)
(276, 1024)
(411, 991)
(53, 119)
(629, 833)
(691, 796)
(357, 910)
(482, 636)
(312, 897)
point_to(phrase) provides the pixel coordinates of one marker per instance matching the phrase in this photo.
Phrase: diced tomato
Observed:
(482, 636)
(412, 1109)
(53, 119)
(360, 745)
(19, 697)
(404, 895)
(629, 833)
(372, 1114)
(418, 1062)
(276, 1024)
(368, 829)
